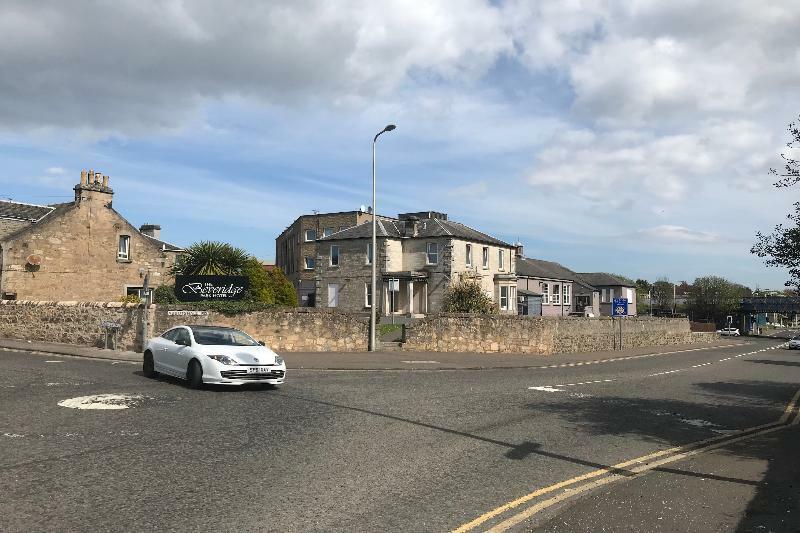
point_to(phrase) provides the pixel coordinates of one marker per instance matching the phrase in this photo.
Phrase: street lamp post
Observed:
(374, 258)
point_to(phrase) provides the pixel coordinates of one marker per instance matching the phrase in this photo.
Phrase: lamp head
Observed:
(390, 127)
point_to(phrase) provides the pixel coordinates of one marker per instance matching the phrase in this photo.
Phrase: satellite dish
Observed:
(363, 209)
(34, 260)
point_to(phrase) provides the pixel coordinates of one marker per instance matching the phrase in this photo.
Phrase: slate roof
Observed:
(428, 228)
(164, 245)
(601, 279)
(536, 268)
(20, 211)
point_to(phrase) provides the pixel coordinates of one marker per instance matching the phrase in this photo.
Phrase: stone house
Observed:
(562, 291)
(79, 250)
(296, 247)
(419, 255)
(611, 287)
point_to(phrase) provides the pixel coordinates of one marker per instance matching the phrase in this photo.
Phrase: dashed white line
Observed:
(554, 388)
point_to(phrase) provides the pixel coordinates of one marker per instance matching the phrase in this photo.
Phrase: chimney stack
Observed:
(151, 230)
(518, 251)
(411, 227)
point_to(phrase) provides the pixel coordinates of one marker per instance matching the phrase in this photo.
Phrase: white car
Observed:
(212, 354)
(732, 332)
(794, 343)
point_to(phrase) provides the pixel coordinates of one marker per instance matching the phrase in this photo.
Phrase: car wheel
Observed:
(148, 366)
(194, 374)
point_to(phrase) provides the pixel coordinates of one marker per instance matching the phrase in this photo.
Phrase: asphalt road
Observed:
(402, 450)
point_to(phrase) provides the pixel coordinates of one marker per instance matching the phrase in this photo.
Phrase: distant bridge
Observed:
(771, 304)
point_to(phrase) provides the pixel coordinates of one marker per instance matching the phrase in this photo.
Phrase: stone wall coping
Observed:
(543, 317)
(72, 304)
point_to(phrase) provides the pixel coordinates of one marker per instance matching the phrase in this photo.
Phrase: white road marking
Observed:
(13, 435)
(102, 401)
(421, 362)
(554, 388)
(54, 361)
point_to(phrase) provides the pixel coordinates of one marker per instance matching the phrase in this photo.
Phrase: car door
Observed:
(158, 347)
(181, 353)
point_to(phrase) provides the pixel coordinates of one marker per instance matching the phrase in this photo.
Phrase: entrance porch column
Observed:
(425, 298)
(410, 297)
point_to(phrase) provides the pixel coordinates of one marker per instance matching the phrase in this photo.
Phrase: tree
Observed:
(781, 248)
(211, 258)
(281, 288)
(467, 296)
(261, 288)
(663, 296)
(715, 298)
(643, 288)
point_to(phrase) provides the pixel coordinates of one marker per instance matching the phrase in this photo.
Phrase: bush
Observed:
(467, 297)
(165, 294)
(131, 299)
(261, 288)
(282, 288)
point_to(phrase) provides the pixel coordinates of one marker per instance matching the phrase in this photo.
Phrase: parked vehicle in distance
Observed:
(794, 343)
(731, 332)
(212, 354)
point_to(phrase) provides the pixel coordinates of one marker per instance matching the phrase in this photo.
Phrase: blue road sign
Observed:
(619, 307)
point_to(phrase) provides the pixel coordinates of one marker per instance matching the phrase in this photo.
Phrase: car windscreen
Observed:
(222, 336)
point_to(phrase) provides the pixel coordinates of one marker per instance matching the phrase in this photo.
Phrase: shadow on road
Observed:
(732, 405)
(771, 362)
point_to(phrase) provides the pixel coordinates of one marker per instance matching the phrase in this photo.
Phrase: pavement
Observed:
(393, 360)
(93, 445)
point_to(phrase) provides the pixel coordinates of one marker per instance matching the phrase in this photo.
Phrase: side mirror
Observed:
(261, 343)
(182, 342)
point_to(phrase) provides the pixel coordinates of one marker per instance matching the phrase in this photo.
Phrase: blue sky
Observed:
(629, 137)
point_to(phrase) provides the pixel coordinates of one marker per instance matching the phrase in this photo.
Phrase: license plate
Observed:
(258, 370)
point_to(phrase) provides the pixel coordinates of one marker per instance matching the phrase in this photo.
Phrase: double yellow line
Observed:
(639, 465)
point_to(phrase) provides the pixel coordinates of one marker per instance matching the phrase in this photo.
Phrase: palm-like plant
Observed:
(211, 258)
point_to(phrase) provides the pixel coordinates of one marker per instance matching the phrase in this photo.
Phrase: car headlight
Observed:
(278, 360)
(224, 359)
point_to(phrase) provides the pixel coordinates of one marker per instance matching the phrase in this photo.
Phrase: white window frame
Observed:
(369, 254)
(469, 256)
(566, 294)
(338, 253)
(428, 253)
(545, 294)
(485, 257)
(306, 262)
(555, 294)
(368, 295)
(604, 296)
(501, 263)
(306, 234)
(124, 253)
(504, 299)
(327, 232)
(629, 295)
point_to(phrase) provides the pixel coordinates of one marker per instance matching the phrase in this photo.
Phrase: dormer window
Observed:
(124, 248)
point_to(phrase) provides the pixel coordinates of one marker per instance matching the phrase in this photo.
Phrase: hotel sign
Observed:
(203, 288)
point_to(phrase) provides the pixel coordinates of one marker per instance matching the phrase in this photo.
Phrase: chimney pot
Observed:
(84, 178)
(105, 181)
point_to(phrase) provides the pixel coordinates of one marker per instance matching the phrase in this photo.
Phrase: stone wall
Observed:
(70, 322)
(542, 335)
(290, 330)
(320, 330)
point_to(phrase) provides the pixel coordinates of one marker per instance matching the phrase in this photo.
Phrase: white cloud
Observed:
(55, 170)
(678, 234)
(136, 66)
